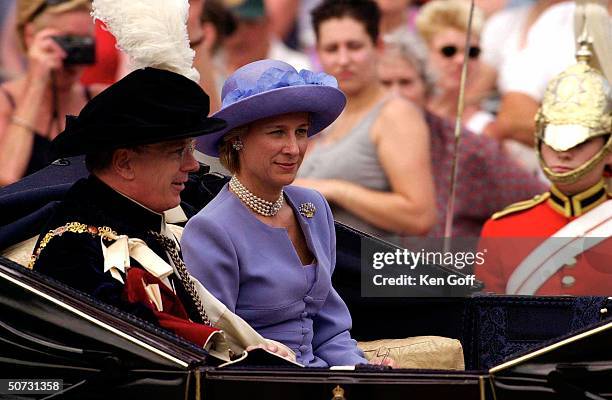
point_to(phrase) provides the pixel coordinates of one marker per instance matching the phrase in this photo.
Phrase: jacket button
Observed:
(305, 330)
(308, 299)
(568, 281)
(303, 348)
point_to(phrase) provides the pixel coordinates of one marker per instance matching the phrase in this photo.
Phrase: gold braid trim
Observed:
(522, 205)
(72, 227)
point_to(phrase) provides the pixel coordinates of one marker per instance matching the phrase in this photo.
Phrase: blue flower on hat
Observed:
(275, 78)
(266, 88)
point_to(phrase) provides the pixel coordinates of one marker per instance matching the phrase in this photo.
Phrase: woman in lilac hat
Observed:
(266, 249)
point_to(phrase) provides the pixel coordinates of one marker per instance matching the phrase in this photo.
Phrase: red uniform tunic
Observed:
(509, 238)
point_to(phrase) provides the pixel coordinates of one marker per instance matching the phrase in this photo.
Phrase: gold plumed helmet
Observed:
(577, 107)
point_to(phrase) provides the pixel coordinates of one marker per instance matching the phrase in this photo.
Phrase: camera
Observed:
(80, 50)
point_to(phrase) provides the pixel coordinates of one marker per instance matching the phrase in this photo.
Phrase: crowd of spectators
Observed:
(417, 48)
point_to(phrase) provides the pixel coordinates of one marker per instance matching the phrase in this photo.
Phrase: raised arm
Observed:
(516, 116)
(18, 121)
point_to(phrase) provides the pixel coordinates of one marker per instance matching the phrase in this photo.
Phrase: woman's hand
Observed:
(272, 348)
(388, 361)
(44, 56)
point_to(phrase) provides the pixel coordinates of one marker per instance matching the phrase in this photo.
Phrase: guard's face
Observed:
(273, 151)
(566, 161)
(161, 171)
(348, 53)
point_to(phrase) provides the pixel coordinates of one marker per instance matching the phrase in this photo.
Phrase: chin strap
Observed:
(577, 173)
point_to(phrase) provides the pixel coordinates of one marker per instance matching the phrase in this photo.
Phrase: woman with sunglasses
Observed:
(443, 26)
(372, 164)
(489, 178)
(32, 107)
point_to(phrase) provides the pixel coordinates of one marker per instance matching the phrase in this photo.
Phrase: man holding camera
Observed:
(57, 36)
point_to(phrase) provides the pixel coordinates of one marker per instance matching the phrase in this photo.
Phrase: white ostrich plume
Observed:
(153, 33)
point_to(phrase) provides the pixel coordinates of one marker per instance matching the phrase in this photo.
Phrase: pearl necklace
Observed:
(255, 203)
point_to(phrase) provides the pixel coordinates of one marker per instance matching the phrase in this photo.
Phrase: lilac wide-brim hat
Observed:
(267, 88)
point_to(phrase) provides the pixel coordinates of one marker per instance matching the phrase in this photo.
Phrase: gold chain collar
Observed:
(73, 227)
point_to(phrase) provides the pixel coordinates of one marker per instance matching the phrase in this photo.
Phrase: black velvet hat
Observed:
(147, 106)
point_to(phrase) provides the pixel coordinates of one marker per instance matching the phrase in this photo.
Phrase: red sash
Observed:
(173, 317)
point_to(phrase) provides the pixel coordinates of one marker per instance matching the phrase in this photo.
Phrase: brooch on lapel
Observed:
(308, 210)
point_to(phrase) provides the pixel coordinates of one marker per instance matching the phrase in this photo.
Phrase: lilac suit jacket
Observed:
(255, 271)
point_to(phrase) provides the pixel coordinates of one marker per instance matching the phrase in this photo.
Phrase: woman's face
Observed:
(446, 50)
(398, 75)
(273, 150)
(348, 53)
(73, 23)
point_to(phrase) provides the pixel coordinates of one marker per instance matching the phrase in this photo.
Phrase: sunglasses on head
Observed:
(450, 51)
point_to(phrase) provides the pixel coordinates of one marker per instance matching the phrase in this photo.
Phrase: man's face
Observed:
(566, 161)
(160, 173)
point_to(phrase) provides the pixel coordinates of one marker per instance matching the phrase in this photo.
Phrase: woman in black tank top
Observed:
(33, 107)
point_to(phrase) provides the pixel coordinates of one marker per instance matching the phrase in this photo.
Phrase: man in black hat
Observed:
(109, 236)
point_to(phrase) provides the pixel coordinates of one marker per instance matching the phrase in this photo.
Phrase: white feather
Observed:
(153, 33)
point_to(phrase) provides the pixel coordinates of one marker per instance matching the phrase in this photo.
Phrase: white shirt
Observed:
(501, 35)
(549, 50)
